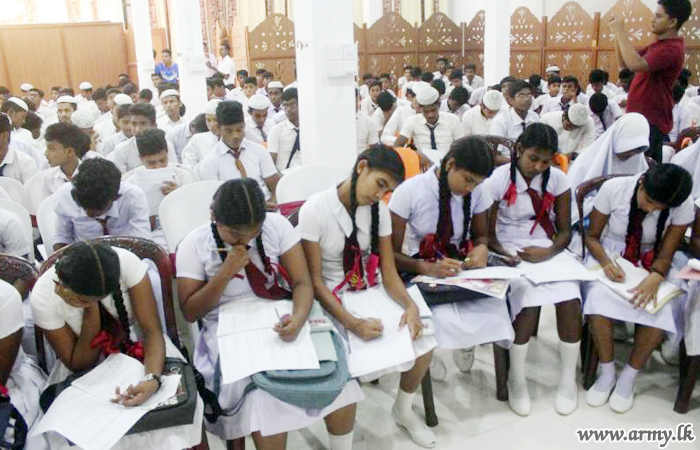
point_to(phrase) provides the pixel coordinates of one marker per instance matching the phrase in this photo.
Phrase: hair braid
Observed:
(353, 206)
(633, 208)
(122, 314)
(444, 199)
(375, 229)
(467, 213)
(514, 168)
(660, 226)
(263, 255)
(219, 242)
(545, 179)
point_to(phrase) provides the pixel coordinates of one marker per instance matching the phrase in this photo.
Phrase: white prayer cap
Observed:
(26, 87)
(427, 96)
(85, 86)
(275, 85)
(83, 118)
(552, 69)
(493, 100)
(258, 101)
(577, 114)
(211, 106)
(168, 93)
(19, 102)
(122, 99)
(66, 99)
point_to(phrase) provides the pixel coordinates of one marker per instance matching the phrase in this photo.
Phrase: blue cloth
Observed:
(171, 73)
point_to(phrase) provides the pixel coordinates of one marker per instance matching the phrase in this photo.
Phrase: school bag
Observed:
(13, 428)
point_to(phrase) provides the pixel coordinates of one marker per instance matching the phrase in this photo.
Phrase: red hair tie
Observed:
(372, 266)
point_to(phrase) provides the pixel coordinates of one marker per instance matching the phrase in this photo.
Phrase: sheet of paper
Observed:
(394, 347)
(151, 181)
(251, 314)
(417, 297)
(117, 370)
(563, 267)
(248, 352)
(687, 273)
(491, 273)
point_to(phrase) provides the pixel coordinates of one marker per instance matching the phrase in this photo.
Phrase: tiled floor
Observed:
(471, 417)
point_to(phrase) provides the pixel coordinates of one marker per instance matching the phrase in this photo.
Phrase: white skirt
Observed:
(473, 322)
(692, 320)
(25, 385)
(259, 411)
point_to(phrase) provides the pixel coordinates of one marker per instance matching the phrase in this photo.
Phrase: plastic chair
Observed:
(14, 269)
(493, 142)
(46, 220)
(35, 195)
(15, 190)
(23, 216)
(306, 181)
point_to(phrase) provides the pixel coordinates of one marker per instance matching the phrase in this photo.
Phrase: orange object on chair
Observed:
(562, 161)
(411, 165)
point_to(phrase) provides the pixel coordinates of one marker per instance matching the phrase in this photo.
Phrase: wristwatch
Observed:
(151, 377)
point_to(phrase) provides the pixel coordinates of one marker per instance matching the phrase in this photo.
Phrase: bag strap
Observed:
(16, 422)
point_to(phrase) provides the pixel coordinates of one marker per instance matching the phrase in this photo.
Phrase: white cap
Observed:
(211, 106)
(577, 114)
(66, 99)
(83, 118)
(275, 85)
(122, 99)
(19, 102)
(427, 96)
(85, 86)
(258, 101)
(26, 87)
(493, 100)
(168, 93)
(552, 69)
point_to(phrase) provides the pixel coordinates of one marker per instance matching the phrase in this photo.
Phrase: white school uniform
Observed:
(13, 241)
(178, 137)
(199, 146)
(692, 315)
(474, 122)
(198, 259)
(574, 141)
(105, 129)
(221, 165)
(513, 227)
(463, 324)
(540, 101)
(324, 219)
(126, 155)
(51, 312)
(166, 124)
(613, 200)
(555, 103)
(510, 125)
(252, 132)
(31, 148)
(476, 82)
(379, 119)
(17, 165)
(459, 112)
(281, 141)
(447, 130)
(54, 178)
(367, 106)
(109, 144)
(610, 115)
(477, 96)
(395, 124)
(689, 159)
(367, 132)
(682, 118)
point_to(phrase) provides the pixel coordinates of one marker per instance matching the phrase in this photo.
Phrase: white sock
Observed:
(568, 352)
(606, 379)
(516, 374)
(625, 383)
(342, 442)
(404, 402)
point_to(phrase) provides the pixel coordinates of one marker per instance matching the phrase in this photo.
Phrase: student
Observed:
(477, 121)
(603, 112)
(553, 88)
(444, 211)
(90, 280)
(157, 80)
(385, 80)
(258, 125)
(167, 68)
(456, 103)
(125, 155)
(207, 277)
(62, 142)
(99, 97)
(107, 128)
(597, 84)
(250, 87)
(471, 80)
(235, 157)
(405, 78)
(531, 220)
(441, 72)
(387, 106)
(123, 120)
(170, 99)
(643, 218)
(227, 67)
(96, 203)
(620, 150)
(67, 105)
(367, 80)
(574, 128)
(349, 222)
(366, 129)
(432, 131)
(13, 163)
(266, 78)
(283, 143)
(179, 136)
(16, 110)
(13, 241)
(549, 72)
(218, 91)
(570, 94)
(132, 91)
(203, 143)
(512, 123)
(625, 80)
(393, 126)
(369, 104)
(456, 81)
(683, 116)
(210, 64)
(274, 93)
(439, 86)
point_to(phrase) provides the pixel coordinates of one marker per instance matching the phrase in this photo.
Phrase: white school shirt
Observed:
(540, 101)
(11, 312)
(395, 124)
(199, 146)
(477, 96)
(367, 106)
(613, 200)
(128, 216)
(515, 222)
(220, 164)
(447, 130)
(208, 73)
(51, 312)
(324, 219)
(379, 120)
(610, 115)
(53, 179)
(104, 117)
(364, 91)
(476, 82)
(555, 103)
(29, 149)
(198, 259)
(228, 67)
(252, 132)
(126, 155)
(509, 124)
(281, 141)
(18, 166)
(474, 123)
(459, 112)
(105, 129)
(178, 137)
(367, 132)
(610, 93)
(574, 141)
(682, 118)
(280, 116)
(417, 200)
(166, 124)
(13, 241)
(182, 176)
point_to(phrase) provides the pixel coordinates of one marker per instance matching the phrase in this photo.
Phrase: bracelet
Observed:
(151, 377)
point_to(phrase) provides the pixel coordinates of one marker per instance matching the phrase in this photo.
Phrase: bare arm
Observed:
(9, 347)
(695, 237)
(401, 141)
(627, 56)
(146, 314)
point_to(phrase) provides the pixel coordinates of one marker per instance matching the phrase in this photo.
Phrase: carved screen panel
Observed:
(392, 34)
(608, 62)
(273, 38)
(578, 63)
(637, 18)
(692, 62)
(475, 57)
(525, 63)
(239, 45)
(283, 68)
(525, 30)
(571, 28)
(391, 63)
(361, 41)
(439, 34)
(691, 32)
(474, 33)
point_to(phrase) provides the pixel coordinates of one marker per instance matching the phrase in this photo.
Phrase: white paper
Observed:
(423, 308)
(251, 314)
(562, 267)
(394, 347)
(490, 273)
(151, 181)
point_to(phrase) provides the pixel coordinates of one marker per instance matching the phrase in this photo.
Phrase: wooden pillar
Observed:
(269, 8)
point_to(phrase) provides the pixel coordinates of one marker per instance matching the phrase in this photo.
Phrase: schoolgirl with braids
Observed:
(245, 252)
(98, 300)
(531, 220)
(444, 213)
(643, 219)
(346, 234)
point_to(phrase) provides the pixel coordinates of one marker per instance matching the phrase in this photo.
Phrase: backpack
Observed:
(12, 425)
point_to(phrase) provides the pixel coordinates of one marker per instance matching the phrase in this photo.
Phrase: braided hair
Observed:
(541, 137)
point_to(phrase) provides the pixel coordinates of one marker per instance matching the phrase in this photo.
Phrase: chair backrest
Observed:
(692, 133)
(35, 194)
(26, 221)
(46, 220)
(15, 190)
(185, 209)
(493, 142)
(306, 181)
(582, 192)
(19, 272)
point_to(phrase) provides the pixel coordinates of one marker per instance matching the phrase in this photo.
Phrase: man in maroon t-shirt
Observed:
(656, 68)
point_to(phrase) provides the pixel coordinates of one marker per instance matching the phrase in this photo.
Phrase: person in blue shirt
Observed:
(167, 69)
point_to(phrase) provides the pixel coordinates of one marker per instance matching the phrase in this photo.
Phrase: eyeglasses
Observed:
(523, 95)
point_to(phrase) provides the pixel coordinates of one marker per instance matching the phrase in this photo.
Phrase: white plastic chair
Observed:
(15, 190)
(35, 194)
(26, 221)
(46, 220)
(304, 182)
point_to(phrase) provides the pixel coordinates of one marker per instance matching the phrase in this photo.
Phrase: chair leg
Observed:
(428, 401)
(589, 360)
(689, 370)
(237, 444)
(537, 324)
(501, 362)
